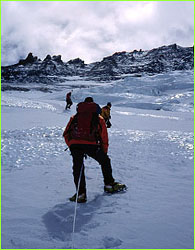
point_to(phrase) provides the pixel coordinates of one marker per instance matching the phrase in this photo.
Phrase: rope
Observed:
(75, 209)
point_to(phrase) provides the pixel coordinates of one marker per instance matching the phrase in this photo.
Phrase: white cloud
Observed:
(92, 30)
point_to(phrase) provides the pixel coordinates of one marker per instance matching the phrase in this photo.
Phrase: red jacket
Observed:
(68, 96)
(102, 132)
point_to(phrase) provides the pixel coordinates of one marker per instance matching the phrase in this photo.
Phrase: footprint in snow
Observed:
(110, 242)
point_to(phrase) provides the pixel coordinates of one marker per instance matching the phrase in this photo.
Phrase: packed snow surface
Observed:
(151, 151)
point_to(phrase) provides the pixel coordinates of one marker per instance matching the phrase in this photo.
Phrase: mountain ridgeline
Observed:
(52, 69)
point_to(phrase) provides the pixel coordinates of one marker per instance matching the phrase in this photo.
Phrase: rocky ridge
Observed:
(52, 69)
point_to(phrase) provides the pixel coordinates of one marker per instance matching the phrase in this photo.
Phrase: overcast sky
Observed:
(92, 30)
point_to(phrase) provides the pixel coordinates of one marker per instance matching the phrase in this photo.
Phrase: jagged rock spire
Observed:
(29, 59)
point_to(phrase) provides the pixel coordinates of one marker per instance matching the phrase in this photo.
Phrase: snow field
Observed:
(151, 152)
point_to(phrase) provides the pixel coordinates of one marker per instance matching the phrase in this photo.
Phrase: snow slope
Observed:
(151, 150)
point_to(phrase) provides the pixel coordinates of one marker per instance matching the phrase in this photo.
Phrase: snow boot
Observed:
(82, 198)
(115, 187)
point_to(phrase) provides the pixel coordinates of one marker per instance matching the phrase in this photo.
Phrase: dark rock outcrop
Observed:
(29, 60)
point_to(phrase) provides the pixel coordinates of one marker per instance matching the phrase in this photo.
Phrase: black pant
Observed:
(68, 104)
(108, 124)
(78, 151)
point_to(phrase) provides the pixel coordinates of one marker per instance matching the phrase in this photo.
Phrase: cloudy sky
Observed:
(92, 30)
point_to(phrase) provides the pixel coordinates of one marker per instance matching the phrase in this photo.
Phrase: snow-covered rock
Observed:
(53, 70)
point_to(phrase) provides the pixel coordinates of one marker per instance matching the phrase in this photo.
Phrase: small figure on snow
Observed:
(106, 114)
(86, 134)
(68, 101)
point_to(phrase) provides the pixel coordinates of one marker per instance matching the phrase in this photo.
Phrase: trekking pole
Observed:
(75, 209)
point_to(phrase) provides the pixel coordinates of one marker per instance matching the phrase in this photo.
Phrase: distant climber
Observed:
(68, 100)
(106, 114)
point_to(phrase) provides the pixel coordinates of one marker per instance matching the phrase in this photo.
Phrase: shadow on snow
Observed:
(59, 220)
